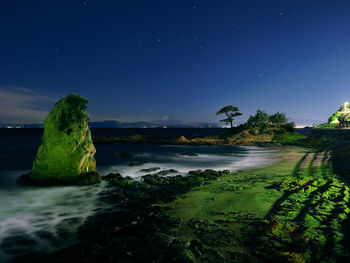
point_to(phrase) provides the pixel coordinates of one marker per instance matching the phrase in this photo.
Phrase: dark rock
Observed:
(166, 172)
(89, 178)
(117, 179)
(25, 180)
(178, 252)
(189, 181)
(83, 179)
(209, 174)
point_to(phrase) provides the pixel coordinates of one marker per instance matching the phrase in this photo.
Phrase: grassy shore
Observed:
(243, 192)
(295, 210)
(219, 214)
(292, 211)
(241, 138)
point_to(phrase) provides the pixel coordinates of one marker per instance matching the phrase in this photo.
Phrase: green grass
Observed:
(326, 126)
(249, 195)
(231, 203)
(293, 210)
(288, 138)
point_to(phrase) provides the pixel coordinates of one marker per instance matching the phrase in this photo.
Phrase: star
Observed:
(338, 48)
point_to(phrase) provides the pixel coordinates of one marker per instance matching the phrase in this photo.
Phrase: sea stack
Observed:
(66, 154)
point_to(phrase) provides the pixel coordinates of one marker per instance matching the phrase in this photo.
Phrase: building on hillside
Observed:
(344, 125)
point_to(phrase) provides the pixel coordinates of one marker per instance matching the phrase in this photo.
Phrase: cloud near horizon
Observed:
(22, 105)
(19, 105)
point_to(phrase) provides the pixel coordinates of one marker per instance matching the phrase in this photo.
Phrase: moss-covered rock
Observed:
(88, 178)
(194, 178)
(117, 179)
(66, 155)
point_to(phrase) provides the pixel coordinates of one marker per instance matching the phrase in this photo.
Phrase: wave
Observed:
(36, 219)
(247, 157)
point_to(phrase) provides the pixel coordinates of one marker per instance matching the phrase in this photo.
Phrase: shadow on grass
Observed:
(296, 170)
(341, 167)
(312, 223)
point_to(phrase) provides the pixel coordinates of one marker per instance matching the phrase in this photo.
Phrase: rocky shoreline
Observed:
(134, 228)
(215, 216)
(241, 138)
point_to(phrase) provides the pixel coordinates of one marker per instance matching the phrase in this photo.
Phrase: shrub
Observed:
(289, 126)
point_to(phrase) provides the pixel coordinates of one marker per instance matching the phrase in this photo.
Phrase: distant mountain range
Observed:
(163, 123)
(306, 122)
(153, 124)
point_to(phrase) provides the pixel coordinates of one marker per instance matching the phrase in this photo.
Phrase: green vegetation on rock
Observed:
(66, 155)
(260, 128)
(117, 179)
(262, 122)
(340, 116)
(194, 178)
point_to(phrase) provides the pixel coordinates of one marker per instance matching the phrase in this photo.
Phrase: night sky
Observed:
(143, 60)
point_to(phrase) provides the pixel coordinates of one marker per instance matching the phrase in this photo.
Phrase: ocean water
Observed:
(172, 157)
(37, 220)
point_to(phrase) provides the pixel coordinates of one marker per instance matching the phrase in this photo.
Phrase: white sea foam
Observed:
(44, 218)
(249, 157)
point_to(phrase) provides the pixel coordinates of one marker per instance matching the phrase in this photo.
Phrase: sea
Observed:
(38, 220)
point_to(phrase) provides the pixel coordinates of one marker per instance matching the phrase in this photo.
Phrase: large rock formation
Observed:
(66, 155)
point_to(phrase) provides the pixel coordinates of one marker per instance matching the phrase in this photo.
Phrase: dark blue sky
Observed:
(142, 60)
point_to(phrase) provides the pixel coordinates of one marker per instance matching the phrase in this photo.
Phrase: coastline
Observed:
(259, 214)
(244, 138)
(223, 212)
(150, 222)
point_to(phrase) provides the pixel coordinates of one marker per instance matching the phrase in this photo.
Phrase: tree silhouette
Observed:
(231, 112)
